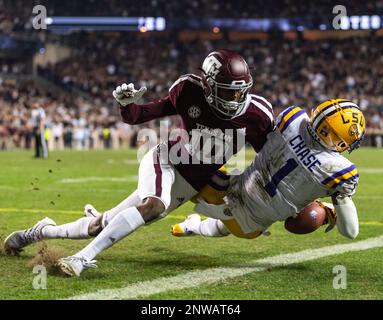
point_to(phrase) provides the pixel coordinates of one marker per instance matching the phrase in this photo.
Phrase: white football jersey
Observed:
(291, 171)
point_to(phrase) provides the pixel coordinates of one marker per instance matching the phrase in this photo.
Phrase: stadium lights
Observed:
(360, 22)
(48, 20)
(144, 24)
(106, 23)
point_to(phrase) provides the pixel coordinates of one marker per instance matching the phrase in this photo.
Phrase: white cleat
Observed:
(73, 266)
(17, 240)
(184, 229)
(90, 211)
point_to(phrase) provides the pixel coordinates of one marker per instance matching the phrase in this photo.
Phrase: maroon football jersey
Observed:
(195, 151)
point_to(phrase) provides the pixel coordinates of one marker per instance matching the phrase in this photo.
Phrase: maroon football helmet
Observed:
(227, 80)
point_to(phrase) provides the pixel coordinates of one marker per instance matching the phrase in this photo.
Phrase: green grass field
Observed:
(32, 189)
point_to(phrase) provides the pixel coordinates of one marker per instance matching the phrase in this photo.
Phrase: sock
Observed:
(131, 201)
(73, 230)
(211, 228)
(123, 224)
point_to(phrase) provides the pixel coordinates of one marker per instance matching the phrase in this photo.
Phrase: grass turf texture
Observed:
(32, 189)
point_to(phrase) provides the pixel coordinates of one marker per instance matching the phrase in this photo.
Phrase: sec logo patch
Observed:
(194, 112)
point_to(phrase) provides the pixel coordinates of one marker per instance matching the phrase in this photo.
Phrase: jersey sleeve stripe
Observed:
(222, 175)
(289, 118)
(264, 109)
(280, 118)
(344, 174)
(217, 186)
(339, 173)
(345, 180)
(263, 100)
(185, 78)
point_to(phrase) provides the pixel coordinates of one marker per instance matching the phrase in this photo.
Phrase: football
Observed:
(309, 219)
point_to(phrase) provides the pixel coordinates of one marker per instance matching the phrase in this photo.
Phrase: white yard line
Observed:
(134, 178)
(370, 170)
(200, 277)
(97, 179)
(127, 161)
(45, 211)
(367, 197)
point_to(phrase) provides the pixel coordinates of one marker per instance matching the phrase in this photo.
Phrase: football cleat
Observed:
(73, 266)
(184, 229)
(90, 211)
(17, 240)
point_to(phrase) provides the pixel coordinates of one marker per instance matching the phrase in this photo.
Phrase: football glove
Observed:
(126, 94)
(330, 215)
(211, 210)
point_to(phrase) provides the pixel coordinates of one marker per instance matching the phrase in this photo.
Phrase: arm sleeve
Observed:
(261, 115)
(136, 114)
(167, 106)
(258, 136)
(347, 220)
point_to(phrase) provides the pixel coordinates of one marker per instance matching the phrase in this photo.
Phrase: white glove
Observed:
(212, 210)
(126, 94)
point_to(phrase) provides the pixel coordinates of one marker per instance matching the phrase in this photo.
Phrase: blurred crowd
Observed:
(71, 122)
(286, 72)
(84, 114)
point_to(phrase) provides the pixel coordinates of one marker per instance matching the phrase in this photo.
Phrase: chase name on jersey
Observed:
(303, 153)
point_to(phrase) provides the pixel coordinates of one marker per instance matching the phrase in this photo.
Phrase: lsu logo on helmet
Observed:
(338, 125)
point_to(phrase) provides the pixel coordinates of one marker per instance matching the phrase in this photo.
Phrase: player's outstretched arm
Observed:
(127, 96)
(347, 220)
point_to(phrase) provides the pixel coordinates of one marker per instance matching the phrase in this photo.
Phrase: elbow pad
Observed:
(347, 216)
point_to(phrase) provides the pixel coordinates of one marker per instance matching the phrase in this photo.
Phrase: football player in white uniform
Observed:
(300, 162)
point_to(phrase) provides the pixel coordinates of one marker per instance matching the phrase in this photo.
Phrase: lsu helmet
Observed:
(226, 81)
(338, 125)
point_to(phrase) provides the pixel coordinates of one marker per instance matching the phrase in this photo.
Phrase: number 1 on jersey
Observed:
(271, 187)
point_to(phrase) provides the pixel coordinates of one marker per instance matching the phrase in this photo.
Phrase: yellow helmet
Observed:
(338, 125)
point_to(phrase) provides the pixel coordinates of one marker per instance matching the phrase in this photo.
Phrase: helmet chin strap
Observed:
(225, 109)
(220, 115)
(355, 144)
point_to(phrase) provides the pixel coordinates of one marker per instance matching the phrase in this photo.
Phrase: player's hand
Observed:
(210, 210)
(126, 94)
(330, 216)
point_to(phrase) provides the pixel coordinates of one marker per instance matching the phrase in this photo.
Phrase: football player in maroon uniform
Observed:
(218, 105)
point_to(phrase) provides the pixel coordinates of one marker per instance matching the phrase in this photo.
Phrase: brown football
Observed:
(308, 219)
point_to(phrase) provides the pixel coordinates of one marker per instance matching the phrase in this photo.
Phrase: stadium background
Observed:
(71, 70)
